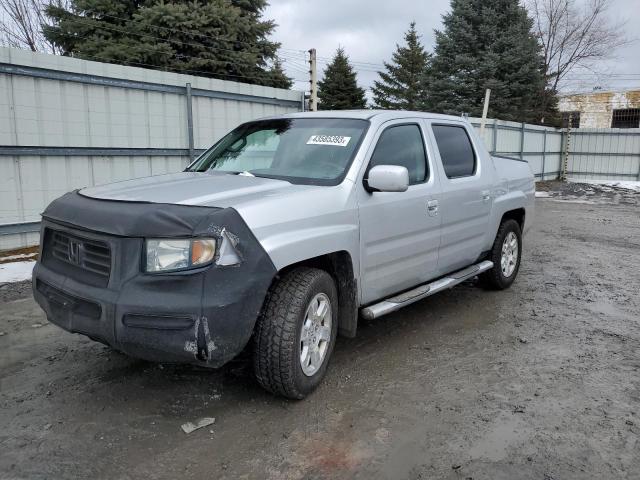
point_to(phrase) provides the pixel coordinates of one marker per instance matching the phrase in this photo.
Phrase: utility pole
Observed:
(313, 80)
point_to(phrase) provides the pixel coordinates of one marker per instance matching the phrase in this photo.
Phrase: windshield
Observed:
(314, 151)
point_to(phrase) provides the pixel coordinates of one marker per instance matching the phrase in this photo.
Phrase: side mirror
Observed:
(388, 178)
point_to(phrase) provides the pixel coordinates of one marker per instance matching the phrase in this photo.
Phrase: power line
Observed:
(223, 39)
(353, 61)
(181, 55)
(591, 75)
(359, 66)
(294, 54)
(362, 65)
(297, 69)
(184, 70)
(167, 40)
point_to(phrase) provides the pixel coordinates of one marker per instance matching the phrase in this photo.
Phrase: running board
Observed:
(423, 291)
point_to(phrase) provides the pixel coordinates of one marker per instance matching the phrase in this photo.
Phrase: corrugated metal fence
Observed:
(541, 146)
(67, 123)
(590, 153)
(604, 154)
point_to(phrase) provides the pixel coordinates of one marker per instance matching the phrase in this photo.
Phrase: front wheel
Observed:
(296, 332)
(505, 255)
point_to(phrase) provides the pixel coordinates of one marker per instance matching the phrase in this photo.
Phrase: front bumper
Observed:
(203, 317)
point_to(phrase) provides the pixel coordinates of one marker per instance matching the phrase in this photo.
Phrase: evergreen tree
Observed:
(215, 38)
(401, 86)
(254, 7)
(339, 90)
(89, 25)
(486, 44)
(277, 77)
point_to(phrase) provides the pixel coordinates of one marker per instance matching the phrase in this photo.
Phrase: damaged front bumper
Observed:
(204, 316)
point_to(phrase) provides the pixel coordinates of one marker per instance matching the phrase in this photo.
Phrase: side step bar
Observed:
(423, 291)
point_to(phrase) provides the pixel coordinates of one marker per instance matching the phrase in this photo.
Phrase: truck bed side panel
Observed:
(514, 189)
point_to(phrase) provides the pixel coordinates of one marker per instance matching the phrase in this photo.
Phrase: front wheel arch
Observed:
(339, 265)
(278, 338)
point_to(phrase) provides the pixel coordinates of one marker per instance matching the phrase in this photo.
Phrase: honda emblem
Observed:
(74, 252)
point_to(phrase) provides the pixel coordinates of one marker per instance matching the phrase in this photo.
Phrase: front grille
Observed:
(87, 259)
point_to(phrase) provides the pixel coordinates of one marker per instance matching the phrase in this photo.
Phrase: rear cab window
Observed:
(402, 145)
(456, 151)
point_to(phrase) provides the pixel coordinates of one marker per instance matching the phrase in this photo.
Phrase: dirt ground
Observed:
(541, 381)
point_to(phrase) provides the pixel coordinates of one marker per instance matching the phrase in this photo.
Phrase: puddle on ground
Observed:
(609, 309)
(406, 456)
(509, 431)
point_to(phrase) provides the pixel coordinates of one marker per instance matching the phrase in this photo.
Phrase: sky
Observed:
(368, 30)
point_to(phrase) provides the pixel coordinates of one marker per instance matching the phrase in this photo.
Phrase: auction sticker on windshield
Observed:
(334, 140)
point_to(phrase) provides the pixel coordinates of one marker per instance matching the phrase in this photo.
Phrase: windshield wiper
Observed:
(247, 173)
(244, 173)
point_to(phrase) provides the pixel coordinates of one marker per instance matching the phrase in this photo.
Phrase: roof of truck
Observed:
(369, 114)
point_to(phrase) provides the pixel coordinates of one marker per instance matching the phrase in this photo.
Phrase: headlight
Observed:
(167, 254)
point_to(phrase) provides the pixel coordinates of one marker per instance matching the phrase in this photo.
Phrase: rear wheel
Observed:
(296, 332)
(505, 255)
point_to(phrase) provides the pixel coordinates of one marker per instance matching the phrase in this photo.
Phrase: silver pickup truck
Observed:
(280, 237)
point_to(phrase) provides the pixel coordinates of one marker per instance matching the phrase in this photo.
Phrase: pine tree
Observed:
(254, 7)
(339, 89)
(278, 79)
(90, 25)
(486, 44)
(401, 86)
(215, 38)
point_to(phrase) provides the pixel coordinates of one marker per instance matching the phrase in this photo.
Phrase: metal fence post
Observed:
(544, 152)
(565, 160)
(522, 141)
(190, 122)
(495, 136)
(638, 176)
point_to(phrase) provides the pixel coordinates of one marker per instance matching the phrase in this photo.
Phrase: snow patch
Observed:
(626, 184)
(543, 194)
(19, 256)
(15, 271)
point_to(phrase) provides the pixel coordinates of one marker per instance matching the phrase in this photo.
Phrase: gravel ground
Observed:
(13, 291)
(540, 381)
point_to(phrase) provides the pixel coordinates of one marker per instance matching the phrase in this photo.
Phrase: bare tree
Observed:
(572, 36)
(21, 24)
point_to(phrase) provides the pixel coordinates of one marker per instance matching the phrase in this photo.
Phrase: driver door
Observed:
(399, 231)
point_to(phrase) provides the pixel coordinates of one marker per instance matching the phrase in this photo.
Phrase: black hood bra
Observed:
(133, 219)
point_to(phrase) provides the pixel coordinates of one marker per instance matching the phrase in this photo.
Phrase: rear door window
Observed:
(402, 145)
(456, 151)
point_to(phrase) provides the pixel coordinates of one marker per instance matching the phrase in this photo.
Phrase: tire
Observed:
(499, 278)
(278, 343)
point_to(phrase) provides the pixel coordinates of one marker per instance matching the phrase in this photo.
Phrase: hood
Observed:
(211, 189)
(269, 207)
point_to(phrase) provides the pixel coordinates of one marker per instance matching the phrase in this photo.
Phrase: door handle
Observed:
(432, 208)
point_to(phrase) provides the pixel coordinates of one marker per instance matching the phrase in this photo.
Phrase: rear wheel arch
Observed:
(517, 214)
(496, 278)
